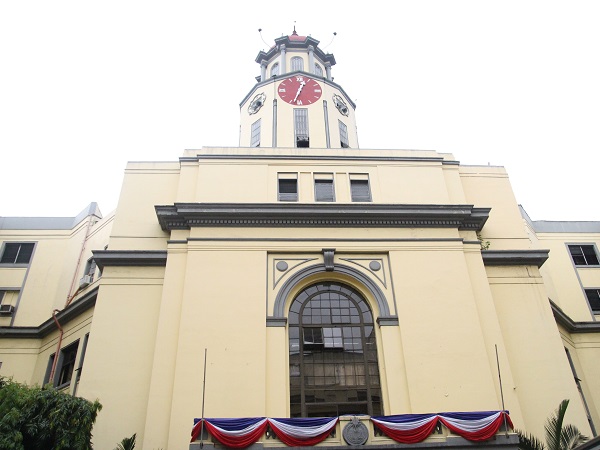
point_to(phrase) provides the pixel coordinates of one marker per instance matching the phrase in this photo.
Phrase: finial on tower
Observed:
(294, 33)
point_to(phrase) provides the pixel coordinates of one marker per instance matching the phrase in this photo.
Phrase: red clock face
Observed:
(299, 90)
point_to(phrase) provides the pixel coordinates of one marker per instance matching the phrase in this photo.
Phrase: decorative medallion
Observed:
(355, 432)
(375, 266)
(282, 266)
(256, 103)
(340, 104)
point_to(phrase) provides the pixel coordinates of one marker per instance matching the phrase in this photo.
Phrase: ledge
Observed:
(76, 308)
(570, 325)
(144, 258)
(514, 257)
(187, 215)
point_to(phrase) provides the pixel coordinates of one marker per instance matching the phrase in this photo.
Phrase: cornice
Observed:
(143, 258)
(76, 308)
(570, 325)
(303, 158)
(514, 257)
(188, 215)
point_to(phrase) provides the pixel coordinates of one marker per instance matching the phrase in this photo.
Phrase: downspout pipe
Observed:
(60, 338)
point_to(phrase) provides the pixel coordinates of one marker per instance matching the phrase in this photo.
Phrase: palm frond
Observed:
(127, 443)
(529, 442)
(571, 437)
(554, 426)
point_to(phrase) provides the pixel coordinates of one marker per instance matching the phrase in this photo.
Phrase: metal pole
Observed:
(501, 392)
(203, 393)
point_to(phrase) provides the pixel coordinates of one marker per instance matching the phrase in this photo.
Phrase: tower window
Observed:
(324, 191)
(301, 127)
(584, 255)
(297, 63)
(255, 134)
(275, 70)
(593, 296)
(343, 134)
(287, 187)
(318, 70)
(359, 188)
(16, 253)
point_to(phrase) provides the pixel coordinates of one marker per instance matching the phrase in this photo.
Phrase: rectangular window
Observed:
(8, 300)
(301, 127)
(343, 134)
(584, 255)
(359, 188)
(17, 253)
(324, 191)
(255, 138)
(593, 296)
(65, 366)
(287, 187)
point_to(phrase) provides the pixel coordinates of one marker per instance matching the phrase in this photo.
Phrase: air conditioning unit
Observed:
(85, 281)
(6, 310)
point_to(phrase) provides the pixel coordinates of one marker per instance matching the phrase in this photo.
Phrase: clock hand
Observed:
(302, 83)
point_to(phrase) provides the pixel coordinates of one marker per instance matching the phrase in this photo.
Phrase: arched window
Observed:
(333, 353)
(318, 70)
(297, 63)
(275, 69)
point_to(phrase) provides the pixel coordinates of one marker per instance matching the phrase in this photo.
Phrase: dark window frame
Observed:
(358, 191)
(324, 189)
(584, 254)
(287, 189)
(64, 371)
(593, 298)
(17, 253)
(340, 376)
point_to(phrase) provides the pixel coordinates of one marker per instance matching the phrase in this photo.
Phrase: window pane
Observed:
(584, 255)
(297, 63)
(360, 190)
(593, 296)
(301, 127)
(343, 134)
(324, 191)
(288, 190)
(255, 137)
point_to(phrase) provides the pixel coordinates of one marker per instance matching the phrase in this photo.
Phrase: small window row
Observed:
(324, 189)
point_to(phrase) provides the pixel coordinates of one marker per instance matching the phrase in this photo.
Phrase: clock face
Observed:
(299, 90)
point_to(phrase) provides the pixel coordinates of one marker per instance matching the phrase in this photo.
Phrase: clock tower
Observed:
(295, 102)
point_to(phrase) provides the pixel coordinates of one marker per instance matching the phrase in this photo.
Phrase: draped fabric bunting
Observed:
(404, 428)
(407, 428)
(241, 433)
(302, 431)
(233, 433)
(412, 428)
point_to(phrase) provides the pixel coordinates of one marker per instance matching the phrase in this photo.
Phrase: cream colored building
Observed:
(411, 279)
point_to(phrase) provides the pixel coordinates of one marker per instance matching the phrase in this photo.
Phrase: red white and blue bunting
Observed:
(404, 428)
(412, 428)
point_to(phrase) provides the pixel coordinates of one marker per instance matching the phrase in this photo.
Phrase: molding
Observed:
(295, 156)
(142, 258)
(71, 312)
(514, 257)
(187, 215)
(385, 318)
(570, 325)
(276, 321)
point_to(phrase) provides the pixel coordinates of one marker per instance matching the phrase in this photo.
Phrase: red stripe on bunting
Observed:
(413, 436)
(236, 441)
(480, 435)
(291, 441)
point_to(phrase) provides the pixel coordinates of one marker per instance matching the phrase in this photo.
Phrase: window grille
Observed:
(255, 134)
(297, 63)
(343, 135)
(301, 127)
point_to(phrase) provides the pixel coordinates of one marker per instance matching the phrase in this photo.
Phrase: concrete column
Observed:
(263, 70)
(282, 62)
(328, 70)
(311, 59)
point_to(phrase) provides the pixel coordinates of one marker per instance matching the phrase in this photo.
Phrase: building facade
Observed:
(301, 276)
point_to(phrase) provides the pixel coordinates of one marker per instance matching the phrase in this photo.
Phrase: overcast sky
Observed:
(87, 86)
